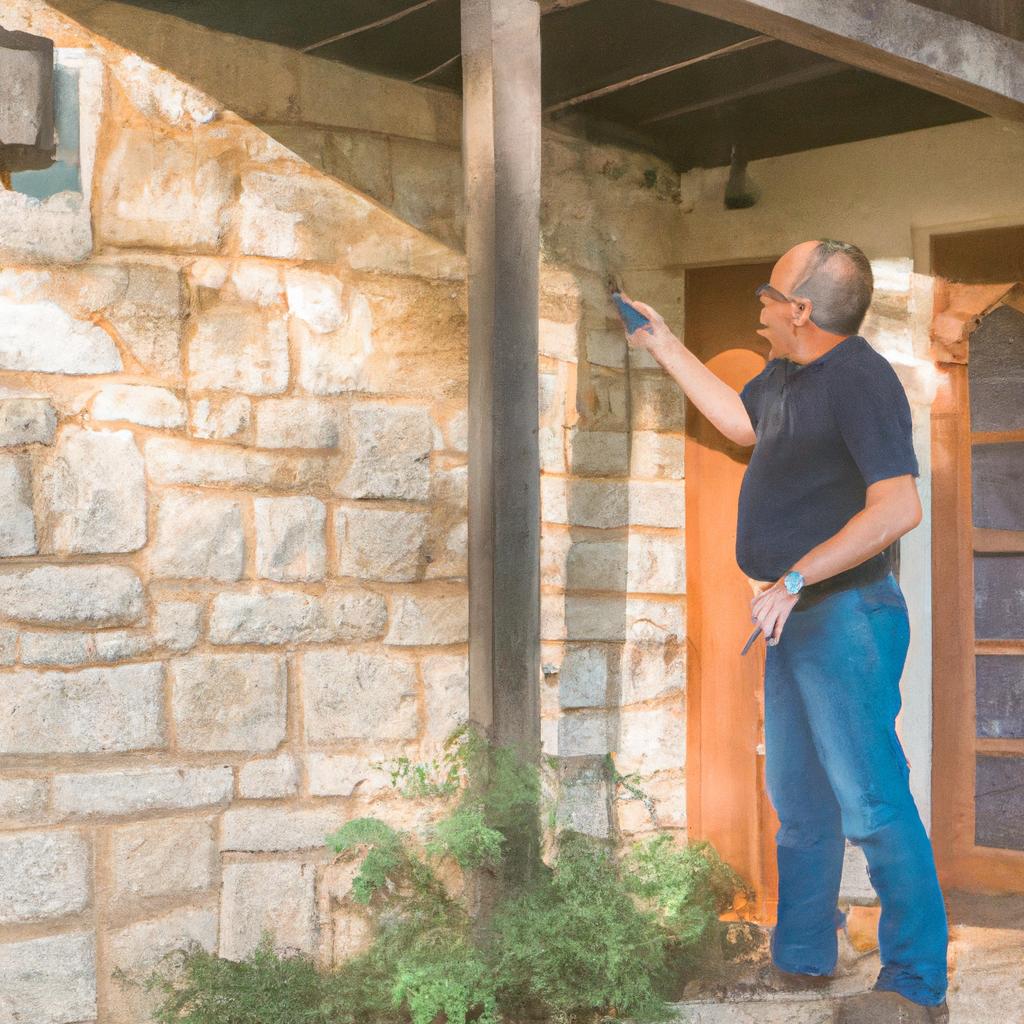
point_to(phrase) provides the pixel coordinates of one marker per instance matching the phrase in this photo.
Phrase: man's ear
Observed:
(802, 312)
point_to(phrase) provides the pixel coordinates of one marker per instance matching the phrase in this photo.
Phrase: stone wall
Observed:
(233, 536)
(232, 539)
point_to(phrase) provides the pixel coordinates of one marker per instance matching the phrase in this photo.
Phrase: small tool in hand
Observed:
(753, 636)
(631, 316)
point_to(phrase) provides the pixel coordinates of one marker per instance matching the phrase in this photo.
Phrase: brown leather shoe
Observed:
(875, 1007)
(779, 980)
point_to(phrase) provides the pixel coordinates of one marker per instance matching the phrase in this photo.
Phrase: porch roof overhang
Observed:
(683, 79)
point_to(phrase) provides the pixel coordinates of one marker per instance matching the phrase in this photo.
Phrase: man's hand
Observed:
(771, 608)
(654, 336)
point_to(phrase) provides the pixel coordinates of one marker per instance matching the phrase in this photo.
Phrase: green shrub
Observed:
(588, 935)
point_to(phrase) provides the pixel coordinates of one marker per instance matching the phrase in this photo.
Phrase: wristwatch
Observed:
(794, 580)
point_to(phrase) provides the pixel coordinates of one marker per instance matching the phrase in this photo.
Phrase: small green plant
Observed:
(587, 937)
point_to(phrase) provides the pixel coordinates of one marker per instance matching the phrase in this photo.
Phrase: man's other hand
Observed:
(654, 336)
(771, 607)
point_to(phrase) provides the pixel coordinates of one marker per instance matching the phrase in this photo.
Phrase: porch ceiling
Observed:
(683, 85)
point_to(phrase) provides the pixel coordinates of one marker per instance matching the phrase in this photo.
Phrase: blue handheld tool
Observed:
(631, 317)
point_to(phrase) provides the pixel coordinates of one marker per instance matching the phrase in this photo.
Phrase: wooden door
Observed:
(727, 802)
(978, 611)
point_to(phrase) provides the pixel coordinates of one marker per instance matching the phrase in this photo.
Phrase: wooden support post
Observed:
(501, 138)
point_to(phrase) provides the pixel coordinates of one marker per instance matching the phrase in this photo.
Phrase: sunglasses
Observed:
(773, 293)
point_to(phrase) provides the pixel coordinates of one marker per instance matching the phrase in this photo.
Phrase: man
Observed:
(827, 494)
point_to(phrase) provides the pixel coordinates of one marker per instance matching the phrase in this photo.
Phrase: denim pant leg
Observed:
(846, 657)
(809, 843)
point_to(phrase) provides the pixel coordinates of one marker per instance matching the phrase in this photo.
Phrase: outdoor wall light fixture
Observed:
(27, 141)
(740, 192)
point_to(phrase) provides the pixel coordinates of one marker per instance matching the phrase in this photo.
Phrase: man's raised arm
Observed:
(719, 402)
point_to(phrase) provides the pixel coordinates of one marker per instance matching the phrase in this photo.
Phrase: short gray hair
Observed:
(838, 281)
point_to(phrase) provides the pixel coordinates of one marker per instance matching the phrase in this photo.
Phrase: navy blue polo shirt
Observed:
(825, 430)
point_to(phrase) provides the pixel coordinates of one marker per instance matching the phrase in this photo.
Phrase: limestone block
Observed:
(342, 774)
(163, 192)
(17, 523)
(198, 537)
(657, 503)
(392, 452)
(596, 565)
(296, 423)
(666, 799)
(177, 624)
(554, 554)
(222, 417)
(277, 829)
(656, 403)
(149, 315)
(139, 403)
(450, 559)
(41, 336)
(83, 595)
(607, 347)
(71, 648)
(583, 734)
(298, 216)
(656, 565)
(612, 618)
(161, 96)
(26, 417)
(279, 897)
(163, 857)
(229, 701)
(446, 679)
(171, 461)
(651, 670)
(557, 340)
(651, 740)
(269, 777)
(23, 802)
(380, 544)
(238, 347)
(143, 946)
(458, 431)
(583, 678)
(257, 282)
(551, 445)
(583, 803)
(428, 619)
(290, 541)
(51, 980)
(316, 300)
(354, 614)
(94, 493)
(599, 452)
(335, 361)
(43, 875)
(355, 695)
(283, 616)
(141, 789)
(657, 455)
(428, 189)
(93, 710)
(57, 648)
(601, 503)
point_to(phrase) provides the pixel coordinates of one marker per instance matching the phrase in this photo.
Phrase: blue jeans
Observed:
(835, 770)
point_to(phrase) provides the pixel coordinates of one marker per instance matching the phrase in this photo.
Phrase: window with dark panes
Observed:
(996, 390)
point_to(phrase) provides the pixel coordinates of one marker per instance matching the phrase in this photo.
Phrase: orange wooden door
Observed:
(726, 798)
(978, 611)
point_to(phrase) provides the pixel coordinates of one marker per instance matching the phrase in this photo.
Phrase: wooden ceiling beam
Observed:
(928, 49)
(823, 69)
(743, 44)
